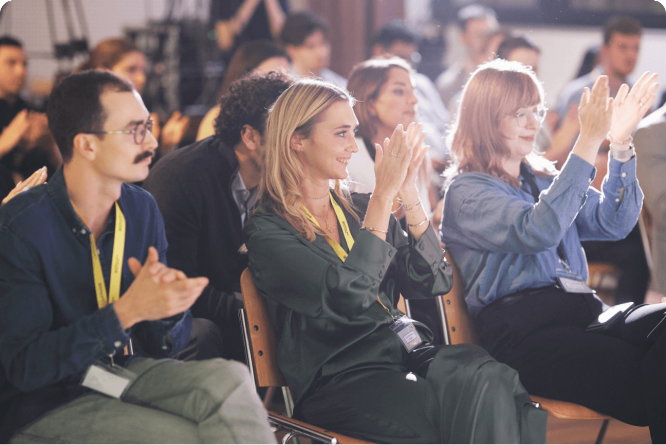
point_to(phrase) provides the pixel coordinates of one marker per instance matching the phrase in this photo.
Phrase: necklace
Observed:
(316, 198)
(329, 227)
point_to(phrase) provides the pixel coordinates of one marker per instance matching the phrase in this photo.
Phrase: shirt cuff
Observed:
(429, 249)
(371, 255)
(110, 333)
(623, 172)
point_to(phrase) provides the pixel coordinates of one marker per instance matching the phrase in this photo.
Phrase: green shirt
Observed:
(325, 312)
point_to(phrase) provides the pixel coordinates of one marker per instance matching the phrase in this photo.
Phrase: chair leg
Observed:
(288, 401)
(602, 431)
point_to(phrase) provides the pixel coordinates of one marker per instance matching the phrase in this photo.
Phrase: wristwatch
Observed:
(622, 155)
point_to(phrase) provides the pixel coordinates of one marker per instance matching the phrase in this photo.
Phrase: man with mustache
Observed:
(73, 291)
(206, 191)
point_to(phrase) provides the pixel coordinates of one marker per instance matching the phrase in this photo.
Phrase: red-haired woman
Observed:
(514, 228)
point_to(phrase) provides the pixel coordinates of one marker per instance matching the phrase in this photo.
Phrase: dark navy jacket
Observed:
(51, 329)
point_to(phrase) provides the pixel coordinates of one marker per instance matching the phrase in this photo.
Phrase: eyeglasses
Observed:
(139, 131)
(539, 115)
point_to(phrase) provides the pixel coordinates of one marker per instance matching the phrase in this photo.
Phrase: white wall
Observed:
(27, 20)
(562, 47)
(562, 50)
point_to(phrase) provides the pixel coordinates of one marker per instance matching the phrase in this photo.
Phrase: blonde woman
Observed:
(332, 266)
(514, 227)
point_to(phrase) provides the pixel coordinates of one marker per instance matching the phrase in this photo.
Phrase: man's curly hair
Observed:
(247, 103)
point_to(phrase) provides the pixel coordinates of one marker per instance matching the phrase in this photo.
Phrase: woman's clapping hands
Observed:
(629, 107)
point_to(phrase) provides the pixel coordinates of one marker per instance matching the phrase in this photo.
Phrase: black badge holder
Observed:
(404, 328)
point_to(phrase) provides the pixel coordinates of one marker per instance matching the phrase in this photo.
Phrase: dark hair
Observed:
(108, 53)
(10, 41)
(510, 44)
(621, 25)
(474, 12)
(247, 57)
(590, 60)
(299, 26)
(397, 30)
(247, 103)
(74, 106)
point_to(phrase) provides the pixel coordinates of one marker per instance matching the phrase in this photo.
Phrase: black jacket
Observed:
(192, 187)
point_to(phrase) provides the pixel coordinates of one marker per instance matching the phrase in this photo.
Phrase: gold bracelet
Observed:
(382, 196)
(370, 229)
(422, 222)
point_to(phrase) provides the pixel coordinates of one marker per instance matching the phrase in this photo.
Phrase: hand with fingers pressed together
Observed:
(391, 163)
(415, 139)
(157, 292)
(594, 112)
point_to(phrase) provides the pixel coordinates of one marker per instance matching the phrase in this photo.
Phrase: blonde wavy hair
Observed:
(495, 90)
(297, 111)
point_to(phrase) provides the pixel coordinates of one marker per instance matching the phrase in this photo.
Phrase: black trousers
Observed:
(622, 372)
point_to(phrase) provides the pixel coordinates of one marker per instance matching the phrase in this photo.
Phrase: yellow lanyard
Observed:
(116, 263)
(345, 229)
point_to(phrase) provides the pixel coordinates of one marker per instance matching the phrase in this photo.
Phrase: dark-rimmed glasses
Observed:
(139, 131)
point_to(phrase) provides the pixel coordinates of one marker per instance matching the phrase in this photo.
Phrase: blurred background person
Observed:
(476, 22)
(618, 57)
(396, 38)
(305, 38)
(122, 57)
(25, 141)
(240, 21)
(259, 56)
(385, 98)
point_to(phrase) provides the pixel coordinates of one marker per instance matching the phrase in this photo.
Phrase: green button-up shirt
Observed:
(325, 312)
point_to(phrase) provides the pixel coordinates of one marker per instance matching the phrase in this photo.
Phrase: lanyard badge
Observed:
(404, 328)
(109, 379)
(572, 283)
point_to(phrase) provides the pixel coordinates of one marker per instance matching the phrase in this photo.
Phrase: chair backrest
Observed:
(261, 336)
(459, 324)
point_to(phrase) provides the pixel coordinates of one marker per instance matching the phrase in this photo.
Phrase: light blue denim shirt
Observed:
(504, 242)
